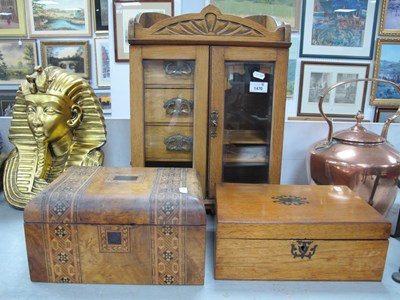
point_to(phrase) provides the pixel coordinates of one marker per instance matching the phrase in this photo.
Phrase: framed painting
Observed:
(390, 18)
(102, 51)
(285, 10)
(105, 102)
(7, 102)
(125, 10)
(343, 101)
(58, 18)
(386, 66)
(12, 18)
(72, 56)
(340, 29)
(18, 58)
(292, 65)
(100, 8)
(384, 113)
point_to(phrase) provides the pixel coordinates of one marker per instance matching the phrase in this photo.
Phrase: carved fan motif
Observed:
(210, 25)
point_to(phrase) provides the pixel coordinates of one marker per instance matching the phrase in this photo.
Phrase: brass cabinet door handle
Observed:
(178, 106)
(213, 123)
(178, 68)
(179, 143)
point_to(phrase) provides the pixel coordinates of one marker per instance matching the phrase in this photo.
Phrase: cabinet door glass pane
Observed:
(168, 115)
(247, 121)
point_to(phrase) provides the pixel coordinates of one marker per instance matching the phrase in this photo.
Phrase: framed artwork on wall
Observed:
(58, 18)
(105, 101)
(72, 56)
(390, 18)
(7, 101)
(12, 18)
(125, 10)
(285, 10)
(343, 101)
(18, 58)
(292, 64)
(100, 8)
(340, 29)
(102, 51)
(384, 113)
(386, 66)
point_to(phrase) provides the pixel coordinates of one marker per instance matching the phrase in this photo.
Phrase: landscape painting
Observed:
(390, 19)
(72, 56)
(59, 18)
(18, 58)
(387, 67)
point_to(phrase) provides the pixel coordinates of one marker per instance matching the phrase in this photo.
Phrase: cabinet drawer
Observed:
(168, 143)
(171, 73)
(169, 105)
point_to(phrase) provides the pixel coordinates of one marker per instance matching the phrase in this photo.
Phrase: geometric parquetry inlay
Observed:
(62, 261)
(119, 245)
(167, 204)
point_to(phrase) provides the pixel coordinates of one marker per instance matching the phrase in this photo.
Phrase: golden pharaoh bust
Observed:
(57, 123)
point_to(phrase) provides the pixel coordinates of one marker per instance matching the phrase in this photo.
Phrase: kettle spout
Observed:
(389, 121)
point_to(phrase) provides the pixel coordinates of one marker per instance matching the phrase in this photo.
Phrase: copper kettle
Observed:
(358, 158)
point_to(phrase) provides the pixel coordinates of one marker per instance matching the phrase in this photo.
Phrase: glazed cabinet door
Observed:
(169, 92)
(246, 117)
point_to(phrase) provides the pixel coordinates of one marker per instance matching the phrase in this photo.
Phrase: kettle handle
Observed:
(329, 121)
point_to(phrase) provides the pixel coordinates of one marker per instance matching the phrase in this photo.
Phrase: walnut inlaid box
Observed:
(284, 232)
(118, 225)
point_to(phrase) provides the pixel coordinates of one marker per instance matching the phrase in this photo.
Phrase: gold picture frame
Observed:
(72, 19)
(100, 15)
(73, 56)
(390, 20)
(386, 66)
(12, 19)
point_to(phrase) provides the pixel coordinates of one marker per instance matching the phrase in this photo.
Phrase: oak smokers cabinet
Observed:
(208, 91)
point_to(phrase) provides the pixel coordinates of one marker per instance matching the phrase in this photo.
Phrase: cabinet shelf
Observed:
(245, 154)
(244, 137)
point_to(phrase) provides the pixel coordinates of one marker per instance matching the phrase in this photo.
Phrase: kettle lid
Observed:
(358, 134)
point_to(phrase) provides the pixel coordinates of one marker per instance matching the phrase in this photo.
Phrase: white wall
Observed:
(298, 138)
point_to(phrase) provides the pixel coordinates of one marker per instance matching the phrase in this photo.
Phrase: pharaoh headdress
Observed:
(20, 184)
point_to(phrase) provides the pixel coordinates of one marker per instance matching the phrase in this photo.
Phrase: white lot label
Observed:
(258, 75)
(258, 87)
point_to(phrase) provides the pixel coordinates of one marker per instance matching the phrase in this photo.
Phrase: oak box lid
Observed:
(124, 196)
(268, 211)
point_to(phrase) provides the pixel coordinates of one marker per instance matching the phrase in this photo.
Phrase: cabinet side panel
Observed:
(136, 107)
(289, 260)
(34, 238)
(195, 241)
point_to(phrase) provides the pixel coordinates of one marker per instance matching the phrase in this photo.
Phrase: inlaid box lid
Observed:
(128, 196)
(269, 211)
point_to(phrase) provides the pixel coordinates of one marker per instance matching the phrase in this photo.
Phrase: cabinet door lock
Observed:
(213, 123)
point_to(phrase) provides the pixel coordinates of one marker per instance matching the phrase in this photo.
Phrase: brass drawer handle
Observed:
(303, 249)
(178, 106)
(179, 143)
(178, 68)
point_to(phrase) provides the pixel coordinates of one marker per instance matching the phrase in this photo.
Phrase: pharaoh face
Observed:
(49, 117)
